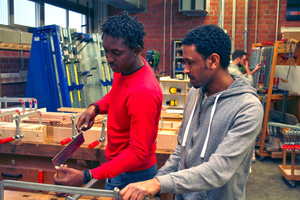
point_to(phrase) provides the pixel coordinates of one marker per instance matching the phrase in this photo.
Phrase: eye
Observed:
(117, 53)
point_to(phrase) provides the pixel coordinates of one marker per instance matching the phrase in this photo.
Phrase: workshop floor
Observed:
(265, 182)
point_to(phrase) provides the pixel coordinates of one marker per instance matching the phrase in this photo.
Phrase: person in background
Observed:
(239, 58)
(133, 106)
(221, 119)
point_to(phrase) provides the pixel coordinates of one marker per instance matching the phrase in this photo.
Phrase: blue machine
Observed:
(46, 78)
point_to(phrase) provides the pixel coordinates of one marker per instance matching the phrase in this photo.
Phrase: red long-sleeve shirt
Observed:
(133, 106)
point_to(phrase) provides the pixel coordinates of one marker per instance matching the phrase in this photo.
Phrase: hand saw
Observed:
(66, 152)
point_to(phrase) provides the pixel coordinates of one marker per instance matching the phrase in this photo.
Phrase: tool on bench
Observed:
(66, 152)
(69, 139)
(291, 56)
(9, 139)
(102, 138)
(284, 56)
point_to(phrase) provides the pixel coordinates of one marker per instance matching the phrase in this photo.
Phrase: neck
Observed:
(235, 62)
(220, 82)
(137, 63)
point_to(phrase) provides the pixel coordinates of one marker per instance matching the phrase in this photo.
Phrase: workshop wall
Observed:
(10, 62)
(153, 20)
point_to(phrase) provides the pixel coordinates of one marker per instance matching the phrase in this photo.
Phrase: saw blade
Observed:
(66, 152)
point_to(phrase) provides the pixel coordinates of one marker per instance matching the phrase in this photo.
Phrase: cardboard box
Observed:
(290, 33)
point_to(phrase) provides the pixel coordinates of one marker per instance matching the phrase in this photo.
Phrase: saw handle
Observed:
(66, 141)
(5, 140)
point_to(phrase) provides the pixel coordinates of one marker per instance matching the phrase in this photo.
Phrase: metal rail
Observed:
(21, 100)
(58, 188)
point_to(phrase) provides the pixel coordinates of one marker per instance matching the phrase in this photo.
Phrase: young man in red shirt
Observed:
(133, 106)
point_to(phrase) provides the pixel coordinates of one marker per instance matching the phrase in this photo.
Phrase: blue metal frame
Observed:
(41, 79)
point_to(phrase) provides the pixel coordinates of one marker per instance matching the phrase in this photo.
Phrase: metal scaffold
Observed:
(66, 68)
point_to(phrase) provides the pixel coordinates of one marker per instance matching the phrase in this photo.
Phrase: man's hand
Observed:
(73, 177)
(258, 67)
(87, 118)
(246, 67)
(140, 190)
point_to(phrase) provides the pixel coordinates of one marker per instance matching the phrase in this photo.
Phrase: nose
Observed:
(186, 70)
(109, 58)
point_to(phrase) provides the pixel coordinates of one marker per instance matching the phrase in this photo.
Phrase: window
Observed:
(78, 21)
(55, 15)
(24, 13)
(4, 12)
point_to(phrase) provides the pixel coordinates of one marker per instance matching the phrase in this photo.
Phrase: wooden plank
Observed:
(29, 135)
(91, 135)
(74, 110)
(15, 46)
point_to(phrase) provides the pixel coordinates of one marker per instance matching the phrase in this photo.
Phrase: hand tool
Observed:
(66, 152)
(102, 138)
(295, 48)
(9, 139)
(284, 56)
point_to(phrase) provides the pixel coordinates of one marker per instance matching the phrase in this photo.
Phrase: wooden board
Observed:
(91, 135)
(9, 195)
(74, 110)
(166, 140)
(31, 132)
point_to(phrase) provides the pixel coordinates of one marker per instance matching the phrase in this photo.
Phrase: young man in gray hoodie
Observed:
(222, 118)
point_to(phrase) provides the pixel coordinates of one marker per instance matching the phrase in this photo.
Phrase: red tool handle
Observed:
(5, 140)
(66, 141)
(41, 176)
(93, 144)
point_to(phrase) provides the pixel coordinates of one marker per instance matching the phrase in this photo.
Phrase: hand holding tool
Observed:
(66, 152)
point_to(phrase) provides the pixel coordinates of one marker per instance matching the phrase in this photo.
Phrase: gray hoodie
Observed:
(215, 160)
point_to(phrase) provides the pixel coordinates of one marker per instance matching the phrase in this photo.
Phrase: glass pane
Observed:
(55, 15)
(24, 13)
(76, 20)
(4, 12)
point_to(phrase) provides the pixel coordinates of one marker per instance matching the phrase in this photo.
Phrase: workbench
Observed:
(26, 160)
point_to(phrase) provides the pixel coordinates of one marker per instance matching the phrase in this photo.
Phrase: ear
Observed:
(137, 50)
(214, 60)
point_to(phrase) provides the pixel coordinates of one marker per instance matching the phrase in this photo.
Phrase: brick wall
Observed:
(10, 62)
(153, 20)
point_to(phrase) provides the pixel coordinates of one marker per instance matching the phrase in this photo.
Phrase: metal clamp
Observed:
(73, 118)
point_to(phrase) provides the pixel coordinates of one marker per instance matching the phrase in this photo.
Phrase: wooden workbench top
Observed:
(9, 195)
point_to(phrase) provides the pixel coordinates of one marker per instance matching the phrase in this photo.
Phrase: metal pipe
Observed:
(171, 32)
(297, 127)
(21, 52)
(221, 13)
(276, 35)
(246, 26)
(55, 188)
(164, 39)
(256, 14)
(233, 25)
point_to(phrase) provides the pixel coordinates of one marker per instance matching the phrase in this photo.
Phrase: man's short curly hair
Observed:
(126, 27)
(238, 54)
(210, 39)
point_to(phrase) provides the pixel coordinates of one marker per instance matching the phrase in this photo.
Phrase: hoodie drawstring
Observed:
(208, 131)
(189, 122)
